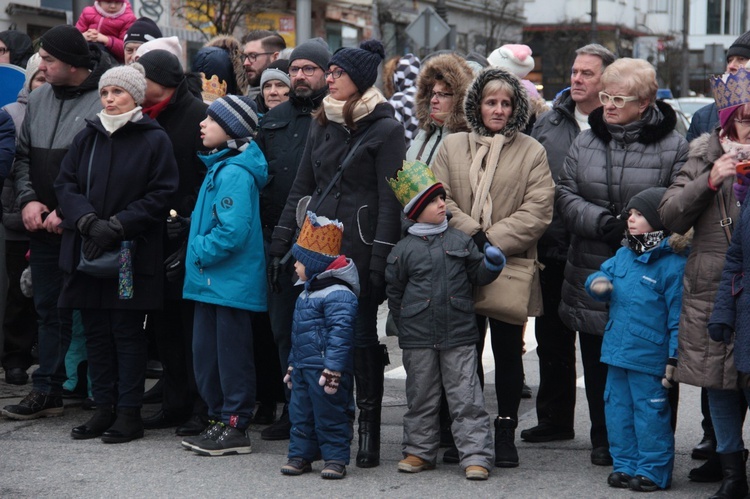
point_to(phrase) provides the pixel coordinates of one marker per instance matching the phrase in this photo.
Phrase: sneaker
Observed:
(280, 429)
(211, 432)
(333, 470)
(35, 405)
(414, 464)
(475, 472)
(619, 480)
(296, 466)
(231, 441)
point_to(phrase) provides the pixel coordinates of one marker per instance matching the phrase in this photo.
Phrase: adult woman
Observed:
(114, 185)
(631, 146)
(701, 197)
(275, 85)
(354, 190)
(499, 190)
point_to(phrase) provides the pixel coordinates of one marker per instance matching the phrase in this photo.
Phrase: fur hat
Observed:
(32, 68)
(237, 115)
(131, 78)
(647, 202)
(318, 244)
(730, 92)
(415, 185)
(162, 67)
(315, 50)
(740, 47)
(456, 73)
(66, 43)
(473, 103)
(141, 31)
(361, 64)
(170, 44)
(515, 59)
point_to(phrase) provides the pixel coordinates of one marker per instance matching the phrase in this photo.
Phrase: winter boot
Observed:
(102, 419)
(735, 480)
(368, 374)
(506, 455)
(128, 426)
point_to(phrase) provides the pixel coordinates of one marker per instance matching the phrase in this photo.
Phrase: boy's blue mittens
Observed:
(720, 332)
(668, 380)
(601, 287)
(494, 258)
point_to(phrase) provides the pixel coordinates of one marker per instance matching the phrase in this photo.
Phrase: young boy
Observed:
(430, 274)
(643, 283)
(225, 274)
(321, 359)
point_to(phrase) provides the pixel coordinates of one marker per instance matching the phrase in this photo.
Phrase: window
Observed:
(658, 6)
(726, 17)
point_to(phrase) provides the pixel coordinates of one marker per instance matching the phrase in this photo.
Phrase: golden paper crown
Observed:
(413, 178)
(213, 89)
(321, 235)
(731, 89)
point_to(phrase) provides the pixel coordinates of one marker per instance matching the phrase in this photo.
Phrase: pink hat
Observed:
(530, 89)
(513, 58)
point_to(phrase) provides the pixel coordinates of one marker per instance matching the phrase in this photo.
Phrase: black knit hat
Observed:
(740, 47)
(361, 64)
(66, 43)
(141, 31)
(162, 67)
(647, 202)
(315, 50)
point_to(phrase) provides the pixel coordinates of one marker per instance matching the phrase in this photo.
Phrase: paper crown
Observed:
(412, 179)
(321, 235)
(213, 89)
(731, 90)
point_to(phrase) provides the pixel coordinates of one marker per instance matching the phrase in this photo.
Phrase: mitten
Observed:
(273, 271)
(613, 232)
(601, 287)
(104, 234)
(288, 377)
(720, 332)
(494, 258)
(377, 287)
(177, 227)
(668, 380)
(740, 187)
(174, 265)
(330, 380)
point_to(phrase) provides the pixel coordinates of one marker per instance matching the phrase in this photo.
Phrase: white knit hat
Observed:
(169, 43)
(131, 78)
(32, 68)
(515, 59)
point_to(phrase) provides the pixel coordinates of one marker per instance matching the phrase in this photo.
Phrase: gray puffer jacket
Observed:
(645, 153)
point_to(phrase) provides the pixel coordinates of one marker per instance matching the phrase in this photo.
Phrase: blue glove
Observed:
(494, 257)
(720, 332)
(740, 187)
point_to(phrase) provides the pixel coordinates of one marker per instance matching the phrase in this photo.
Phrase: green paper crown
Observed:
(731, 89)
(413, 178)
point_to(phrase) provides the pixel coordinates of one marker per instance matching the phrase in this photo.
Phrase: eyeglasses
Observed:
(618, 100)
(253, 56)
(306, 70)
(743, 123)
(4, 50)
(335, 74)
(440, 95)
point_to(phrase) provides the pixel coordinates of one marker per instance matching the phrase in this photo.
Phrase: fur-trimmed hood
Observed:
(234, 48)
(659, 121)
(680, 243)
(457, 74)
(473, 105)
(706, 149)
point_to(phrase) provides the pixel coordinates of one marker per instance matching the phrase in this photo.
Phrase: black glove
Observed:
(178, 227)
(720, 332)
(273, 271)
(84, 223)
(480, 239)
(91, 250)
(104, 234)
(174, 265)
(377, 286)
(613, 232)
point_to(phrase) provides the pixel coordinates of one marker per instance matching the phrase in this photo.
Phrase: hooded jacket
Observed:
(20, 47)
(402, 100)
(222, 56)
(645, 153)
(689, 202)
(522, 190)
(457, 75)
(225, 262)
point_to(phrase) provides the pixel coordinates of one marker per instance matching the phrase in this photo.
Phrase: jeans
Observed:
(728, 413)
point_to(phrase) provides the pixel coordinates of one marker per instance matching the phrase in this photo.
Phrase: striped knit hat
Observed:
(235, 114)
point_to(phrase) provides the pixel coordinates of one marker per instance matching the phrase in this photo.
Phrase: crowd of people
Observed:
(252, 213)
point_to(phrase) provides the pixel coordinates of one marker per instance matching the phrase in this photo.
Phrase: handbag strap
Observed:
(91, 160)
(726, 220)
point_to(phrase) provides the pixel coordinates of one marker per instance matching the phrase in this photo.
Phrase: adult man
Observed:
(282, 137)
(260, 48)
(142, 31)
(169, 101)
(556, 130)
(54, 115)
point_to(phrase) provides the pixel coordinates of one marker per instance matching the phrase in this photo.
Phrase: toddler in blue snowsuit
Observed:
(643, 283)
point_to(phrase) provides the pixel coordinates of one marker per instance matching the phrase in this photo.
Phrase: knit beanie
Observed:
(170, 43)
(141, 31)
(361, 64)
(318, 244)
(162, 67)
(274, 74)
(32, 68)
(131, 78)
(740, 47)
(315, 50)
(530, 89)
(647, 202)
(20, 46)
(515, 59)
(237, 115)
(66, 43)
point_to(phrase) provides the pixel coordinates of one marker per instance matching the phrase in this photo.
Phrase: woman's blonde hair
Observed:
(493, 86)
(637, 75)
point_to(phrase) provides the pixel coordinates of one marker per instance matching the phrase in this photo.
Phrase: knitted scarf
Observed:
(334, 109)
(423, 229)
(485, 153)
(112, 123)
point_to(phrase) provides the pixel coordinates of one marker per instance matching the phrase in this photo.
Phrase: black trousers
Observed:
(507, 348)
(595, 376)
(20, 324)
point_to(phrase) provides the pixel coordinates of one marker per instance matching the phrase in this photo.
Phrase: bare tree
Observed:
(212, 17)
(501, 23)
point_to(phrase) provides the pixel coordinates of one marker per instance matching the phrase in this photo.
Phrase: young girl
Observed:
(107, 22)
(643, 283)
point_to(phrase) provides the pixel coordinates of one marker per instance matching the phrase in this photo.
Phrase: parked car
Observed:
(689, 105)
(683, 122)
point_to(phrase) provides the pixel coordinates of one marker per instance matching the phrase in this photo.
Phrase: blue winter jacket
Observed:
(323, 324)
(225, 263)
(704, 120)
(645, 304)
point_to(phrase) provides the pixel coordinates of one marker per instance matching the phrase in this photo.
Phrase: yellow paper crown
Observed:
(321, 235)
(731, 89)
(213, 89)
(413, 177)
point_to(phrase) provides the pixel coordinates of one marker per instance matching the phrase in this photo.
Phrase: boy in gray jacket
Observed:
(430, 274)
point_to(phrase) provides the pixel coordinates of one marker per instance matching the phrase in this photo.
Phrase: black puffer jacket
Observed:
(644, 154)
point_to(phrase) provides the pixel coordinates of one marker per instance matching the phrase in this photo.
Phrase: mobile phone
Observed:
(743, 168)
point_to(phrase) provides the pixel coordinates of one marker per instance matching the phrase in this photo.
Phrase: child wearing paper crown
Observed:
(643, 284)
(225, 274)
(430, 274)
(321, 359)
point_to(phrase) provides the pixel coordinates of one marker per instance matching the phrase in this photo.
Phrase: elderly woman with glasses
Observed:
(631, 146)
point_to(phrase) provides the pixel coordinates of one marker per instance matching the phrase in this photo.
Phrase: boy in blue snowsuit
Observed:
(643, 283)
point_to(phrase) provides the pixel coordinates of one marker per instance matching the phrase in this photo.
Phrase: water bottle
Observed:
(125, 284)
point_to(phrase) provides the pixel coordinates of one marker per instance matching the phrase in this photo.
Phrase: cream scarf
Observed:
(112, 123)
(334, 109)
(485, 153)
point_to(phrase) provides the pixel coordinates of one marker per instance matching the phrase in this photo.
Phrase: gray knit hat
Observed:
(740, 47)
(315, 50)
(237, 115)
(277, 70)
(361, 64)
(130, 78)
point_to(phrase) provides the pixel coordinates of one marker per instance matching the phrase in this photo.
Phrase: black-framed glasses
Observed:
(440, 95)
(335, 74)
(253, 56)
(306, 70)
(618, 100)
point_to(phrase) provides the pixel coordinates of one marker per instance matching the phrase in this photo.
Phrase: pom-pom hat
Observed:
(130, 78)
(415, 185)
(361, 64)
(515, 59)
(318, 244)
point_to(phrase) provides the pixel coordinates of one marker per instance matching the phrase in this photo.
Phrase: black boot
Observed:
(368, 374)
(96, 425)
(735, 481)
(506, 455)
(710, 471)
(128, 426)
